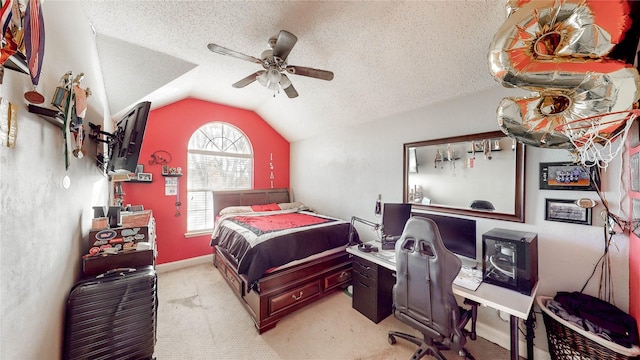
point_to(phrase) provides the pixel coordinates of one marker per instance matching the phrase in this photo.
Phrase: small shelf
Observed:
(17, 62)
(454, 159)
(172, 175)
(140, 181)
(53, 116)
(481, 151)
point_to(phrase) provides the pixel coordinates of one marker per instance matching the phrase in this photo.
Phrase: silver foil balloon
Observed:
(547, 117)
(557, 50)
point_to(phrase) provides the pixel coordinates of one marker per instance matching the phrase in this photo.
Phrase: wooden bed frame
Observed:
(284, 291)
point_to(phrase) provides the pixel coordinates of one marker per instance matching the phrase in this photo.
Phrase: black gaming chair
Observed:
(423, 296)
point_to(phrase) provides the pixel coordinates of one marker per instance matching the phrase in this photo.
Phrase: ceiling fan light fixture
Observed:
(265, 80)
(262, 79)
(274, 76)
(274, 63)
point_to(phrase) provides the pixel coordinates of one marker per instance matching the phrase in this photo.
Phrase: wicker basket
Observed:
(567, 341)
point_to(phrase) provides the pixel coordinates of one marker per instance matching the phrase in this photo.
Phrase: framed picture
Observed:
(165, 170)
(634, 165)
(564, 210)
(635, 222)
(144, 176)
(568, 176)
(634, 134)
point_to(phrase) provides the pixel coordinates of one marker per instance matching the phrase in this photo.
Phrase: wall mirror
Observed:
(479, 175)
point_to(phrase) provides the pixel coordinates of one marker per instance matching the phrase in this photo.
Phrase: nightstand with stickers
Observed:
(131, 245)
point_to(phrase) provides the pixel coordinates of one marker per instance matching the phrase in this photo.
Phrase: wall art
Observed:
(564, 210)
(568, 176)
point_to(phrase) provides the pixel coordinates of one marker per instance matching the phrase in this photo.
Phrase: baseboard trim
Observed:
(503, 339)
(181, 264)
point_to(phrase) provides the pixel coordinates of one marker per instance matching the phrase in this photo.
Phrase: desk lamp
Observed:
(373, 225)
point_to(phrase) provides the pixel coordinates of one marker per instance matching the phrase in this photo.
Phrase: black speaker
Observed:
(510, 259)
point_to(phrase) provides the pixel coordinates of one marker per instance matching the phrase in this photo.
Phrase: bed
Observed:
(270, 292)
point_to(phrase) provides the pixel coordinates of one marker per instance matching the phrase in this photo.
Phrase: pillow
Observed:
(265, 207)
(292, 205)
(235, 210)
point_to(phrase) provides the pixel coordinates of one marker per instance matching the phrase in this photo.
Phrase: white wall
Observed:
(341, 173)
(42, 224)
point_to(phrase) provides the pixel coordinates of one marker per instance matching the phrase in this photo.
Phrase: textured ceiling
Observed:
(387, 57)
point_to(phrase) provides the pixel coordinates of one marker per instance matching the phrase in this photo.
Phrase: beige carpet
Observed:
(200, 318)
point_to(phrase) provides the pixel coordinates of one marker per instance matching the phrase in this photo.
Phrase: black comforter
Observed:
(258, 248)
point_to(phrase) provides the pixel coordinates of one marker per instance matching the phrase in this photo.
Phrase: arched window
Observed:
(220, 157)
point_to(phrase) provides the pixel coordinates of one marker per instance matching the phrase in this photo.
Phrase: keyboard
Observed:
(469, 278)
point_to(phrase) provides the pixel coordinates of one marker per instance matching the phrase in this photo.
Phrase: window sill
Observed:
(198, 233)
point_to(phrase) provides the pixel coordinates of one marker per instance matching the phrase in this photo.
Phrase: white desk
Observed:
(517, 305)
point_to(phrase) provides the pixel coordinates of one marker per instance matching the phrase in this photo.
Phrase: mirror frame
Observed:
(517, 216)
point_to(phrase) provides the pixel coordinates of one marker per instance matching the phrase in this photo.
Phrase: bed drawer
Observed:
(233, 280)
(336, 279)
(293, 297)
(229, 274)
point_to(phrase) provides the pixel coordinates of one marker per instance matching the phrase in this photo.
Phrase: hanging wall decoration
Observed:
(582, 100)
(160, 157)
(80, 96)
(8, 123)
(9, 15)
(271, 176)
(34, 46)
(564, 210)
(568, 176)
(635, 217)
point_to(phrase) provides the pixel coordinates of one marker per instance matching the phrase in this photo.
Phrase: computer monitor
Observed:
(394, 217)
(458, 234)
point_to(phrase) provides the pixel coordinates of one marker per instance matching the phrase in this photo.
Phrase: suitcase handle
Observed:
(116, 270)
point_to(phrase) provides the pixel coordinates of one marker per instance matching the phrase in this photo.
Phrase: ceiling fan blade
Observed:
(291, 92)
(311, 72)
(287, 86)
(224, 51)
(284, 44)
(248, 80)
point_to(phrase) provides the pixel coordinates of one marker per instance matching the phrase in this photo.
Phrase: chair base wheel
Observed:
(392, 340)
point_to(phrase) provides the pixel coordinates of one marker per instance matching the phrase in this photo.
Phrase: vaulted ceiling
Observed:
(388, 57)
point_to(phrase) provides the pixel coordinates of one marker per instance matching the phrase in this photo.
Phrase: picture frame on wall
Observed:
(634, 170)
(568, 176)
(564, 210)
(634, 134)
(635, 214)
(145, 176)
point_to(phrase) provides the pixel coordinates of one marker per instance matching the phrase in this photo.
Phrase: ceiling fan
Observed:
(274, 62)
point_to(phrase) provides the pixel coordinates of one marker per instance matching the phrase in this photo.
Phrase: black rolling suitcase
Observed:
(112, 316)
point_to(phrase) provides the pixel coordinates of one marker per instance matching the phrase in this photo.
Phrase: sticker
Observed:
(106, 234)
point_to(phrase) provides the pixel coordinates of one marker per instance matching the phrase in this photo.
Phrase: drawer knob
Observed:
(296, 298)
(344, 274)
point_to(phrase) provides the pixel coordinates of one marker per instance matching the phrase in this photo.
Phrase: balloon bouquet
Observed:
(583, 99)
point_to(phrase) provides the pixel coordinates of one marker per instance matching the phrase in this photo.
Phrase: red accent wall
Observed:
(169, 129)
(634, 254)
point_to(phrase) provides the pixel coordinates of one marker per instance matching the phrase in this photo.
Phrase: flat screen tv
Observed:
(126, 141)
(458, 234)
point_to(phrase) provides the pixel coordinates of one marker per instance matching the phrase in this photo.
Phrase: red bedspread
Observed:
(260, 241)
(268, 223)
